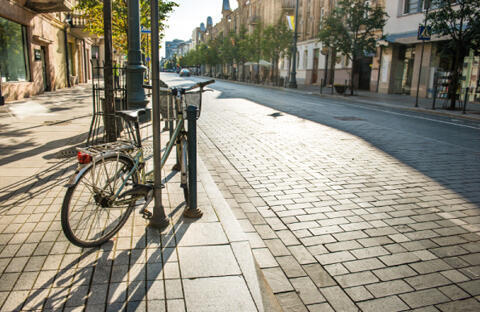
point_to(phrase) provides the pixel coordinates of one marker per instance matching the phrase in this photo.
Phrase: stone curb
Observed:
(261, 291)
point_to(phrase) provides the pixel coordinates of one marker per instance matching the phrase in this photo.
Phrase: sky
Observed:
(188, 15)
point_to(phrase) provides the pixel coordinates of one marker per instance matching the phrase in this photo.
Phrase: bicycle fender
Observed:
(82, 168)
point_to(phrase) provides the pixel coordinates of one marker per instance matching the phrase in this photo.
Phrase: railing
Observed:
(78, 20)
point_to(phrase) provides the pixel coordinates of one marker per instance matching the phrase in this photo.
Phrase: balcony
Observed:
(288, 4)
(50, 6)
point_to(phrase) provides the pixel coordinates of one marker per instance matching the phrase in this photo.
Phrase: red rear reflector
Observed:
(83, 158)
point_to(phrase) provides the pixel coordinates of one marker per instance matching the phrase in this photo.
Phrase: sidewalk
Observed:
(405, 102)
(193, 265)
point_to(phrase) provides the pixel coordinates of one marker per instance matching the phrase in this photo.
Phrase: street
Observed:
(349, 206)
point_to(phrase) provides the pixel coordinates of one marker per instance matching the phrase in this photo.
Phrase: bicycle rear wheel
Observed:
(91, 214)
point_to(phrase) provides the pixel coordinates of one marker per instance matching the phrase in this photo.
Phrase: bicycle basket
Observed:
(195, 99)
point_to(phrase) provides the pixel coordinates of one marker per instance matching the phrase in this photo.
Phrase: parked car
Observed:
(184, 73)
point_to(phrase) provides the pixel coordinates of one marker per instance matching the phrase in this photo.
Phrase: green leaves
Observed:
(353, 28)
(92, 11)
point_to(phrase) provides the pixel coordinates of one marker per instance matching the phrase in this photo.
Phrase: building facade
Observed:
(42, 47)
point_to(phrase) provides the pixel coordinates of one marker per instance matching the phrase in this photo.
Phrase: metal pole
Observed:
(293, 76)
(159, 220)
(465, 100)
(2, 98)
(435, 90)
(421, 58)
(321, 85)
(192, 211)
(135, 93)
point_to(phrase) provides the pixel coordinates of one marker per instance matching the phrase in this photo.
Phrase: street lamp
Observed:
(135, 93)
(293, 75)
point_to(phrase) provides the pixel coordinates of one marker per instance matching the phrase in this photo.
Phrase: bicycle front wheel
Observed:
(91, 211)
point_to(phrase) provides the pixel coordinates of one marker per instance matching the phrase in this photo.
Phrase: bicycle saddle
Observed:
(131, 115)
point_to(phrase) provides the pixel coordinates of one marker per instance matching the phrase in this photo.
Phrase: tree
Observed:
(461, 23)
(276, 41)
(92, 10)
(353, 29)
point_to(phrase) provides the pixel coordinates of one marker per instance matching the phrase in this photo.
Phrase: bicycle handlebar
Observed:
(201, 85)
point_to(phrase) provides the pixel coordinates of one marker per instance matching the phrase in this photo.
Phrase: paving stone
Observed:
(197, 234)
(288, 238)
(264, 258)
(400, 258)
(227, 293)
(356, 279)
(277, 248)
(320, 307)
(318, 275)
(302, 255)
(290, 266)
(335, 257)
(389, 288)
(363, 265)
(468, 305)
(290, 301)
(369, 252)
(337, 298)
(391, 273)
(454, 292)
(427, 281)
(277, 280)
(472, 287)
(197, 261)
(377, 305)
(307, 290)
(359, 293)
(424, 298)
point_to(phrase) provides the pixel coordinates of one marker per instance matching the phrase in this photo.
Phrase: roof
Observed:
(226, 5)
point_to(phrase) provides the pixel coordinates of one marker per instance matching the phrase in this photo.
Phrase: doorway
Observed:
(43, 59)
(364, 71)
(316, 55)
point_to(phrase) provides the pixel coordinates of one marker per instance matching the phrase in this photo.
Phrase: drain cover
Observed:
(275, 115)
(349, 118)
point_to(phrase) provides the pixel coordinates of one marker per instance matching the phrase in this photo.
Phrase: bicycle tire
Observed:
(119, 163)
(184, 172)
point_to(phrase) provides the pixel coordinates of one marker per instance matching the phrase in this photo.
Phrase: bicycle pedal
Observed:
(146, 214)
(151, 182)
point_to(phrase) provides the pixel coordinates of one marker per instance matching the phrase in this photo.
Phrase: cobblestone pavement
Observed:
(348, 215)
(138, 270)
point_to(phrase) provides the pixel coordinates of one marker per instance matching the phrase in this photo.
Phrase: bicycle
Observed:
(111, 177)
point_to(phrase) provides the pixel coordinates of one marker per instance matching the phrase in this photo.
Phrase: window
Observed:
(411, 6)
(13, 51)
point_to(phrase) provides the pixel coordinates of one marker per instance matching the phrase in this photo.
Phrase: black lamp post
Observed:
(293, 75)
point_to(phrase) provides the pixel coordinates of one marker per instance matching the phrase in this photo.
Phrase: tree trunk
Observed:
(453, 87)
(352, 74)
(108, 108)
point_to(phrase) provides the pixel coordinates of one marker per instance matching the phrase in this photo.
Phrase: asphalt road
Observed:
(456, 133)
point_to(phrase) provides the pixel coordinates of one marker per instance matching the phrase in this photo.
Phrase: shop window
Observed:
(14, 65)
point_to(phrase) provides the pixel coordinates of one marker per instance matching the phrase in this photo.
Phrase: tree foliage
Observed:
(91, 10)
(353, 28)
(460, 22)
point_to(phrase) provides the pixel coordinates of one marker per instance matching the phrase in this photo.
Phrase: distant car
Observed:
(184, 73)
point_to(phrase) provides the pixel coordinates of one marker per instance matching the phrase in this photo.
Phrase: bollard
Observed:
(465, 100)
(434, 95)
(192, 211)
(321, 86)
